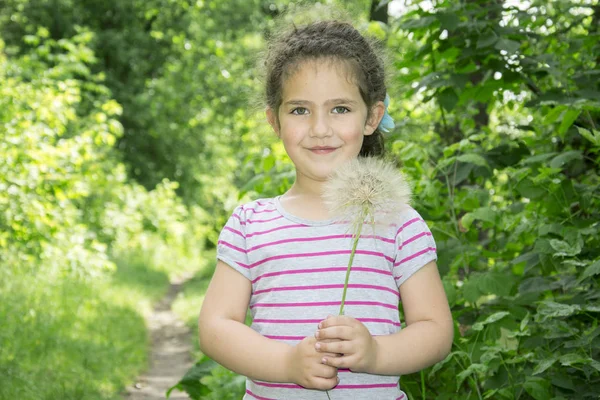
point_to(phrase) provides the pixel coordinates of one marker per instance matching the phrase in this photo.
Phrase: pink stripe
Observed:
(355, 386)
(316, 239)
(278, 385)
(262, 211)
(259, 397)
(277, 229)
(412, 221)
(401, 397)
(285, 337)
(335, 286)
(319, 270)
(224, 243)
(417, 254)
(316, 321)
(412, 239)
(326, 303)
(381, 320)
(253, 221)
(286, 321)
(398, 278)
(234, 231)
(263, 204)
(322, 253)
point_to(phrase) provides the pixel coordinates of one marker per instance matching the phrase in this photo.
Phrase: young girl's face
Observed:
(322, 119)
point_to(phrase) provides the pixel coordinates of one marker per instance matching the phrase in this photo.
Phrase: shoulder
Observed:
(409, 221)
(407, 215)
(247, 211)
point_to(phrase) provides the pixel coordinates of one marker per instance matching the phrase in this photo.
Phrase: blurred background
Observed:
(130, 129)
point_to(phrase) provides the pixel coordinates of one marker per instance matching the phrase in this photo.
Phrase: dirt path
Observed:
(170, 355)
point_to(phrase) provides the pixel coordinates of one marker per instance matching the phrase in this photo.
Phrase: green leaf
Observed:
(564, 158)
(480, 284)
(565, 249)
(543, 365)
(570, 359)
(553, 114)
(473, 158)
(413, 23)
(483, 214)
(567, 120)
(471, 369)
(510, 46)
(478, 326)
(447, 99)
(538, 158)
(538, 388)
(592, 137)
(191, 384)
(448, 21)
(592, 269)
(551, 309)
(439, 365)
(488, 39)
(530, 190)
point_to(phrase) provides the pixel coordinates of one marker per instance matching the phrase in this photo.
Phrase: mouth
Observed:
(322, 149)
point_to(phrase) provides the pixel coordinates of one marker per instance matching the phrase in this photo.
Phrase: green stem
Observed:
(423, 384)
(356, 237)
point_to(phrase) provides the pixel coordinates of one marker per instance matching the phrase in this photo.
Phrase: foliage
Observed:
(83, 251)
(128, 130)
(498, 108)
(512, 195)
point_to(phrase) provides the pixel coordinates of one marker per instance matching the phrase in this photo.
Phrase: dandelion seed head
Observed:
(366, 189)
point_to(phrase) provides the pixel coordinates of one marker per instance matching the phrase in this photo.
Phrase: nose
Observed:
(320, 126)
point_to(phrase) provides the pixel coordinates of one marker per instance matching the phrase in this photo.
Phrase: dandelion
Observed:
(365, 190)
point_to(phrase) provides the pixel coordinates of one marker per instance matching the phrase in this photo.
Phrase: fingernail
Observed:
(324, 361)
(320, 325)
(318, 346)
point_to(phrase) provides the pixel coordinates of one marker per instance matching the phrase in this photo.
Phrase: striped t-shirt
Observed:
(297, 268)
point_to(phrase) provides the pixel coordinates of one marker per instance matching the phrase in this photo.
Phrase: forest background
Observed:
(129, 130)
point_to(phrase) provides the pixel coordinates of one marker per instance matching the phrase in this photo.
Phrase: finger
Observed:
(333, 347)
(335, 332)
(338, 362)
(326, 371)
(323, 383)
(337, 320)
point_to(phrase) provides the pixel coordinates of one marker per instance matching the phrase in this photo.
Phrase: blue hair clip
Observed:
(387, 123)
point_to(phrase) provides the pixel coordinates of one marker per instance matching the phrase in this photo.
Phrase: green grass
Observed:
(73, 339)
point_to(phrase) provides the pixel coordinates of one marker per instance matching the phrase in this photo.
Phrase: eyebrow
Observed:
(330, 101)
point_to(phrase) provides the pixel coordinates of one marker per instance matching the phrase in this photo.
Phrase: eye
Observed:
(300, 111)
(341, 110)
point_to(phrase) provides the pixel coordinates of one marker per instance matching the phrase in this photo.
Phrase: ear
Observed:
(374, 119)
(273, 120)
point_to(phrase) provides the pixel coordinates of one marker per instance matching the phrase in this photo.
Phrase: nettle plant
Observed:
(509, 182)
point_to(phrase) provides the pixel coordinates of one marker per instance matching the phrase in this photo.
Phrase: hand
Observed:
(351, 338)
(306, 368)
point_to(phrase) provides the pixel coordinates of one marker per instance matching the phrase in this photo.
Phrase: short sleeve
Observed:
(231, 247)
(415, 246)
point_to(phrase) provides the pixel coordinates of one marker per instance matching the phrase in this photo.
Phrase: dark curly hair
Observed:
(328, 40)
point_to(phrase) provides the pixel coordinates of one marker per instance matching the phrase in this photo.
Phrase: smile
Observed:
(322, 149)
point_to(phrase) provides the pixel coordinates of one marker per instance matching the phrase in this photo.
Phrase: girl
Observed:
(285, 258)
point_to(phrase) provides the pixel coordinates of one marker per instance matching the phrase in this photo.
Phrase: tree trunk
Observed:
(379, 12)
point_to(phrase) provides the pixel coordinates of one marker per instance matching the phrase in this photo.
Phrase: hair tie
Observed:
(387, 122)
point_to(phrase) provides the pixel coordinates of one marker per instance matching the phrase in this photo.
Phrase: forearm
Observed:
(414, 348)
(244, 351)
